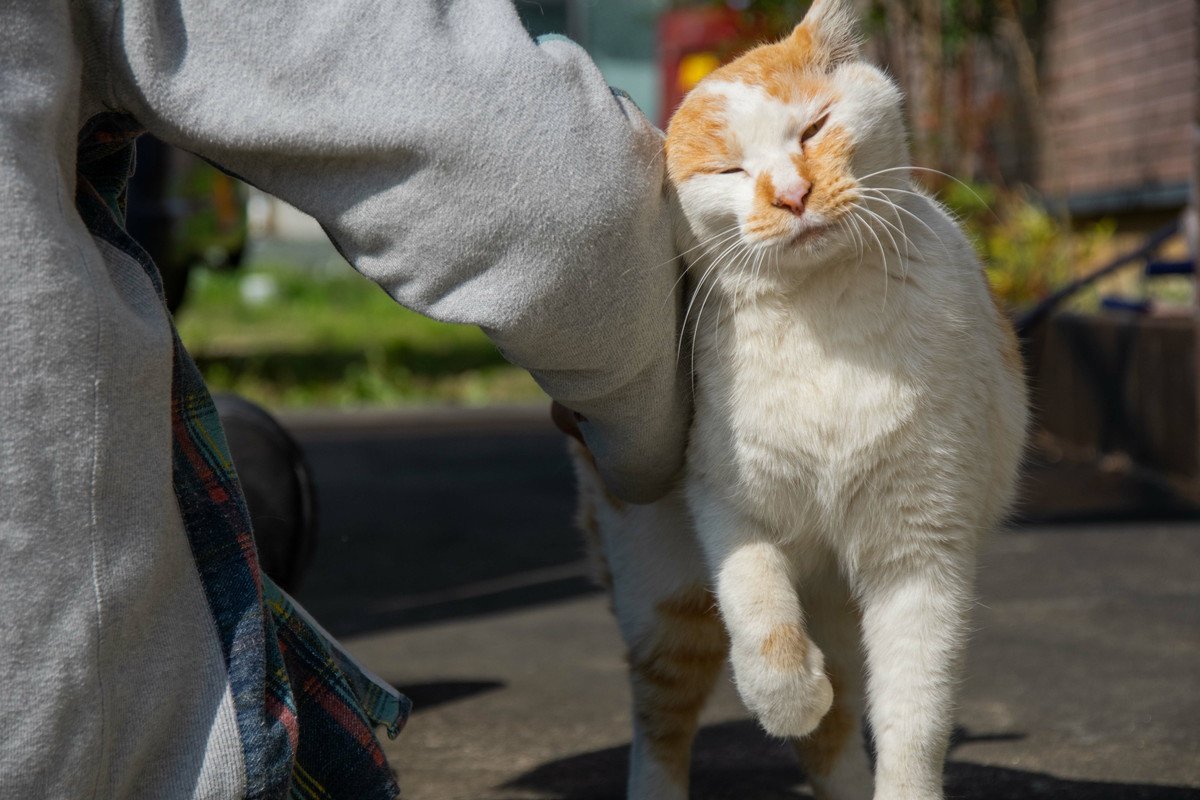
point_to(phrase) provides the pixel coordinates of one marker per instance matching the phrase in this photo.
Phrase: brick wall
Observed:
(1119, 86)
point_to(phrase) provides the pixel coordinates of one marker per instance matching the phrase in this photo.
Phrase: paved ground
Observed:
(448, 563)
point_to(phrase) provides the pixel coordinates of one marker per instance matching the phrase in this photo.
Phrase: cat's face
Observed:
(779, 144)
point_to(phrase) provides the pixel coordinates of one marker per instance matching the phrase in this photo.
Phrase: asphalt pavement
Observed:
(447, 561)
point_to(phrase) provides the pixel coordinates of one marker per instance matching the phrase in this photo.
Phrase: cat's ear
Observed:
(830, 31)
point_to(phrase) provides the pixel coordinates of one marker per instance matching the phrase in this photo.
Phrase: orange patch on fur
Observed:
(697, 138)
(787, 70)
(825, 164)
(786, 647)
(765, 220)
(819, 751)
(673, 672)
(764, 189)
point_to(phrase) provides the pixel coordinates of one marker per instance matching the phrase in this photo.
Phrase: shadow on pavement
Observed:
(737, 761)
(425, 696)
(978, 782)
(730, 760)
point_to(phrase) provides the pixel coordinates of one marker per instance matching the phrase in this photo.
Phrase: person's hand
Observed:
(567, 420)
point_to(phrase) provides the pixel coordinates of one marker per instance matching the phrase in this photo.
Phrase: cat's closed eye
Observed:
(731, 171)
(814, 129)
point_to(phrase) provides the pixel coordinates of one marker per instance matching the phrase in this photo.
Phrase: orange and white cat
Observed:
(860, 417)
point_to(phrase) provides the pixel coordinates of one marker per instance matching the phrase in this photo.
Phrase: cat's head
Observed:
(780, 143)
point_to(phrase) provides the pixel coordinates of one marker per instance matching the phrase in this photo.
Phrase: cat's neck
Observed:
(842, 281)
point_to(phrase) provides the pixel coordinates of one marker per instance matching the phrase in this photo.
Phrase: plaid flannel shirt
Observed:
(306, 712)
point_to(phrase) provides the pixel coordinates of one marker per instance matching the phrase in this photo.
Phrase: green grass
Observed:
(288, 338)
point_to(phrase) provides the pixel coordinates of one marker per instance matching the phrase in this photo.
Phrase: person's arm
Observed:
(477, 176)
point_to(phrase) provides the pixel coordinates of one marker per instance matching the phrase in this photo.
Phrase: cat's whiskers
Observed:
(708, 270)
(723, 234)
(855, 208)
(881, 191)
(900, 229)
(741, 258)
(862, 240)
(707, 242)
(844, 224)
(964, 184)
(662, 152)
(683, 326)
(887, 231)
(723, 237)
(851, 223)
(762, 266)
(841, 228)
(683, 330)
(716, 262)
(756, 270)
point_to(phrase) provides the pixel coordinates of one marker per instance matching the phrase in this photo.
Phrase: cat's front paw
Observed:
(782, 681)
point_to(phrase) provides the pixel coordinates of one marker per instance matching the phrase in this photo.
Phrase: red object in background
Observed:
(689, 38)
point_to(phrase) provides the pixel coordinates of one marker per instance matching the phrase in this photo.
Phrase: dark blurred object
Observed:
(1143, 254)
(278, 487)
(185, 213)
(1121, 385)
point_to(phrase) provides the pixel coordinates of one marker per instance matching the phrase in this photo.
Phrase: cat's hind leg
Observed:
(676, 644)
(672, 670)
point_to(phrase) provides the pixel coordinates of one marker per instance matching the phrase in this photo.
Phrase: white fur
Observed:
(856, 432)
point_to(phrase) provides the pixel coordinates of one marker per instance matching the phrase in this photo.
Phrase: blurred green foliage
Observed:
(213, 232)
(1026, 250)
(285, 337)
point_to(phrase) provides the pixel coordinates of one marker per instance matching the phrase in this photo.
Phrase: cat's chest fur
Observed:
(802, 404)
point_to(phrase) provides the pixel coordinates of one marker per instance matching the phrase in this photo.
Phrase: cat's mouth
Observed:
(810, 233)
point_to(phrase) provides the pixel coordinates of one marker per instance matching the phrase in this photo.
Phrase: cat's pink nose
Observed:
(792, 197)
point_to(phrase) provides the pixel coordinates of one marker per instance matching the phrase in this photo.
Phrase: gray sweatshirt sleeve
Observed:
(478, 177)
